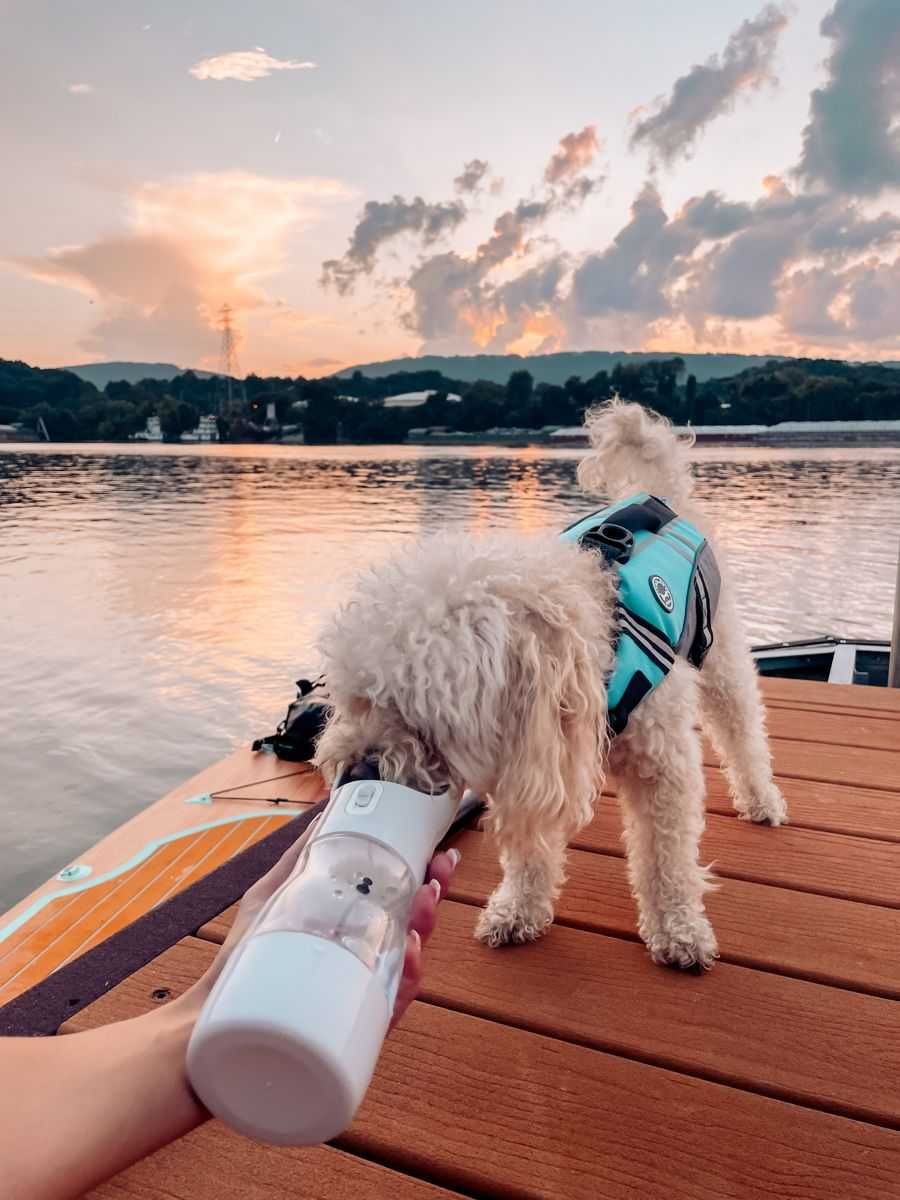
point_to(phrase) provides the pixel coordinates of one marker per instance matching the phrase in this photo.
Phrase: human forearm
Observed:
(76, 1109)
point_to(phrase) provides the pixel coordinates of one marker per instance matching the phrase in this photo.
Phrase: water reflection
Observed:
(157, 602)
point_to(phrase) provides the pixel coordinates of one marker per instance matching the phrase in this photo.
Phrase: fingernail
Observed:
(416, 939)
(436, 888)
(454, 855)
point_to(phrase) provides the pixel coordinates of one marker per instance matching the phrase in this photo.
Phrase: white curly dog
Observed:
(482, 663)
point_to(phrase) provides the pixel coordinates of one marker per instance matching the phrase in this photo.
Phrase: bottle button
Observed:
(364, 797)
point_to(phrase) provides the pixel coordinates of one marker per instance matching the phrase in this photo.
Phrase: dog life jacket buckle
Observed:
(614, 542)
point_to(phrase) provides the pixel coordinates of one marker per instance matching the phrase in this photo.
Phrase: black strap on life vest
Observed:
(638, 687)
(649, 515)
(705, 602)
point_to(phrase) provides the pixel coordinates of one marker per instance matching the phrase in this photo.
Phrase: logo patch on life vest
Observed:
(662, 592)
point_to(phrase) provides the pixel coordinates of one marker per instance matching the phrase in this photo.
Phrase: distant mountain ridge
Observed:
(102, 373)
(557, 368)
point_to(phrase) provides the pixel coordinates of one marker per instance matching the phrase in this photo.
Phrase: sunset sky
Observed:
(364, 180)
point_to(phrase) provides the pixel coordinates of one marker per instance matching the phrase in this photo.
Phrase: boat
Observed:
(569, 1069)
(826, 659)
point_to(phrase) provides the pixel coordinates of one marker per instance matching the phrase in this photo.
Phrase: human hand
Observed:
(423, 917)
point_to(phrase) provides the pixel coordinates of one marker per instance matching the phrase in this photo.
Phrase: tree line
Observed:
(354, 410)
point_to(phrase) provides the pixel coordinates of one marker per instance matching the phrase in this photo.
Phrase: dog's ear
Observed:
(556, 747)
(344, 738)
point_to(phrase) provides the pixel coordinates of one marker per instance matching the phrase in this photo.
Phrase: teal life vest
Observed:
(668, 591)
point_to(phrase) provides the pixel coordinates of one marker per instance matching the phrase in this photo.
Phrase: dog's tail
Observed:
(634, 450)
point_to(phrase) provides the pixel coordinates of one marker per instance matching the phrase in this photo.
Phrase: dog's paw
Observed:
(767, 809)
(689, 948)
(503, 922)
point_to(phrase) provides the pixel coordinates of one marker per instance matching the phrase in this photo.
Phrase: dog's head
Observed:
(360, 731)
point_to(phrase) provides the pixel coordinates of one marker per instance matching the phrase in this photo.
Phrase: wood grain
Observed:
(499, 1111)
(819, 760)
(791, 933)
(800, 1041)
(837, 727)
(834, 807)
(213, 1163)
(829, 864)
(832, 695)
(617, 1000)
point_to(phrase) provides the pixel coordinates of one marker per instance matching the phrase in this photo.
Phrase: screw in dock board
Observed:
(160, 994)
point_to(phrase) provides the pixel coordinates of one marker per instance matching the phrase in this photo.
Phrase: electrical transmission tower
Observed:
(231, 389)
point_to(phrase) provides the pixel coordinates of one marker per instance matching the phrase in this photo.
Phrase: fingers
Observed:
(423, 918)
(442, 867)
(411, 979)
(424, 908)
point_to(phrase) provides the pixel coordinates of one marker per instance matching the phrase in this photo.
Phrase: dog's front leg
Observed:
(521, 907)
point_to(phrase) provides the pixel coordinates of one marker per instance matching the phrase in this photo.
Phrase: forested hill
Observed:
(557, 368)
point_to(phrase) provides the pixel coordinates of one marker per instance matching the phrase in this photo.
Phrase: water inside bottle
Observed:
(353, 891)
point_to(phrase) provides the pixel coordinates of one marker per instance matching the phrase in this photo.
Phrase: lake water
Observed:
(156, 603)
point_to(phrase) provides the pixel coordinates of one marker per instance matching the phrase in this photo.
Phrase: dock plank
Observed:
(833, 807)
(830, 864)
(798, 1040)
(831, 695)
(796, 933)
(564, 1122)
(837, 727)
(827, 763)
(211, 1163)
(770, 928)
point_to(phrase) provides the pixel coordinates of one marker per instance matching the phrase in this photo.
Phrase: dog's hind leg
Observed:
(734, 717)
(659, 778)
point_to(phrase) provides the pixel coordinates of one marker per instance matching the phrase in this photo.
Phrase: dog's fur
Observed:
(482, 663)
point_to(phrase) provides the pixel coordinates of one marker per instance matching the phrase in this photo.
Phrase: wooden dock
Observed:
(575, 1069)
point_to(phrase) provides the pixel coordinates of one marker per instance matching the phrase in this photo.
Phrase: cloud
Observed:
(857, 307)
(455, 307)
(448, 303)
(710, 89)
(576, 151)
(80, 89)
(457, 301)
(463, 278)
(717, 267)
(714, 217)
(873, 302)
(511, 229)
(245, 66)
(852, 140)
(472, 176)
(805, 301)
(631, 274)
(381, 222)
(190, 244)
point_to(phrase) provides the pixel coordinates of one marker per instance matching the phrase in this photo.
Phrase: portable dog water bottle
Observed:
(287, 1041)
